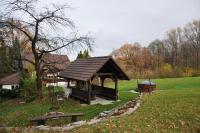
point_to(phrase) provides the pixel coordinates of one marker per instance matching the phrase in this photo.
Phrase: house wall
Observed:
(61, 84)
(9, 87)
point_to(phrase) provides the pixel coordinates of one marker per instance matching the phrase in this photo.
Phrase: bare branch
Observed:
(67, 44)
(23, 5)
(30, 61)
(17, 27)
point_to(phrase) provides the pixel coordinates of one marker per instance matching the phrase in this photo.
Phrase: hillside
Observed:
(175, 108)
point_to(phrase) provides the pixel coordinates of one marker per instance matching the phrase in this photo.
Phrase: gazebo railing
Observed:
(104, 91)
(79, 94)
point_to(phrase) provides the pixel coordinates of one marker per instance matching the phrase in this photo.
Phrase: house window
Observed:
(17, 86)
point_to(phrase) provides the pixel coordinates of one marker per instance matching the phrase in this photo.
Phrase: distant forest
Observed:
(176, 55)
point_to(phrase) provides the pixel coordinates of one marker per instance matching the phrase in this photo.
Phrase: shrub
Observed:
(28, 88)
(187, 72)
(166, 70)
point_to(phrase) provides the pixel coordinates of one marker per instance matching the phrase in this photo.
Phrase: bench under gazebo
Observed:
(83, 72)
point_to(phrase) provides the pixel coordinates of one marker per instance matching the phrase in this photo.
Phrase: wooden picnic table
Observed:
(41, 120)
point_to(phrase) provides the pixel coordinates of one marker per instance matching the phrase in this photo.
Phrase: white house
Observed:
(10, 82)
(56, 63)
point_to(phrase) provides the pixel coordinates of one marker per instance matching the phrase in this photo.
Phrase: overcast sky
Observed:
(115, 22)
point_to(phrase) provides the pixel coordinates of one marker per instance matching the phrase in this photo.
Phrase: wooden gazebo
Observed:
(84, 71)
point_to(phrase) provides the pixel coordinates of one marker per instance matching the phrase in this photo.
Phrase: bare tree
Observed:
(43, 28)
(192, 33)
(172, 43)
(156, 48)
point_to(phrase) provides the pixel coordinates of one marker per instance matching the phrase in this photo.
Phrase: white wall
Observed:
(9, 87)
(61, 84)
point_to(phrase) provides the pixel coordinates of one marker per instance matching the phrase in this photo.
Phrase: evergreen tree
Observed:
(80, 55)
(85, 54)
(15, 55)
(1, 57)
(5, 68)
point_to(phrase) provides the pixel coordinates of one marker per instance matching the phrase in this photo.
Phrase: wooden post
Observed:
(116, 88)
(102, 81)
(89, 91)
(68, 83)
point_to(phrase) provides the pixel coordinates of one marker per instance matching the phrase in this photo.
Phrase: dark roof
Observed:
(11, 79)
(85, 69)
(60, 62)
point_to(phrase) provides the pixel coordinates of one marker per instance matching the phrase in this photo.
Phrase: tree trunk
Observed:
(38, 79)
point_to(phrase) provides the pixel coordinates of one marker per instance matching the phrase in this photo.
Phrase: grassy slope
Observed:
(176, 108)
(13, 114)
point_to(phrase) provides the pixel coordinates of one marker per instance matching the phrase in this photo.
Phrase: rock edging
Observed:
(124, 110)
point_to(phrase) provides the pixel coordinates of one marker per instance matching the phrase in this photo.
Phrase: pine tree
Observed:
(1, 57)
(5, 68)
(80, 55)
(15, 55)
(85, 54)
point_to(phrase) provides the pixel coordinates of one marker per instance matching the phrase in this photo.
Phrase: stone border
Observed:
(123, 110)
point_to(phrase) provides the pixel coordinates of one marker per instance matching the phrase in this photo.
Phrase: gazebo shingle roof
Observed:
(85, 69)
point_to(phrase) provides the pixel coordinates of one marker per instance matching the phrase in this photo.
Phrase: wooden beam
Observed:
(122, 74)
(104, 74)
(68, 83)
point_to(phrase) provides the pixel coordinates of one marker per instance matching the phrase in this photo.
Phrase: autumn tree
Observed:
(136, 60)
(177, 54)
(45, 28)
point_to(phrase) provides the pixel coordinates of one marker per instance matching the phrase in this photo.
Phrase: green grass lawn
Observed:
(175, 108)
(14, 114)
